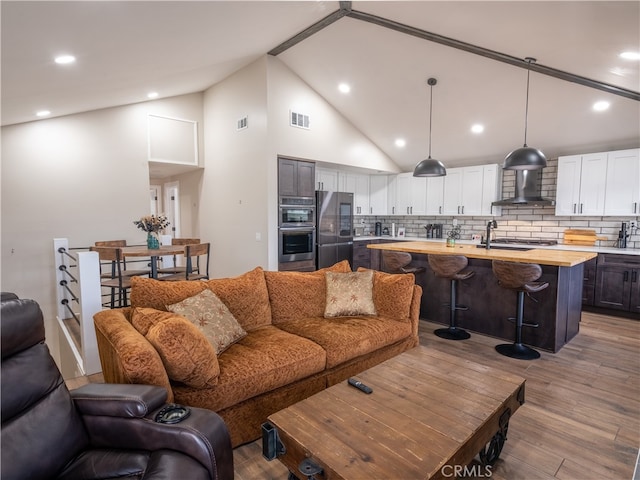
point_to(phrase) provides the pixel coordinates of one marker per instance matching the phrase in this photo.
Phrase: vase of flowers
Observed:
(153, 225)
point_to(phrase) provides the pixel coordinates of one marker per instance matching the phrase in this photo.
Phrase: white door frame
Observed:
(172, 207)
(155, 198)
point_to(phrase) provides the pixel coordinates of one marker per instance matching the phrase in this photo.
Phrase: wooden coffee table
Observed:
(429, 415)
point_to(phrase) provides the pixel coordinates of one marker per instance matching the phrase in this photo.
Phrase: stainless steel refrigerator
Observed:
(334, 228)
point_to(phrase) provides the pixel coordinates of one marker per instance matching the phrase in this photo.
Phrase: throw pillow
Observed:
(349, 294)
(392, 294)
(212, 317)
(186, 354)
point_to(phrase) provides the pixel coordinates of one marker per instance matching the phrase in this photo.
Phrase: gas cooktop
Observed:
(526, 241)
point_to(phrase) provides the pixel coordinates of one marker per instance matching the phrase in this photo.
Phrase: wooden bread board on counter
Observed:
(586, 238)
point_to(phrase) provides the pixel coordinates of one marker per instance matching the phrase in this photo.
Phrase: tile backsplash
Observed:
(520, 222)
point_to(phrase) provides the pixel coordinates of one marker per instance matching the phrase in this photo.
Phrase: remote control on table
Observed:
(359, 385)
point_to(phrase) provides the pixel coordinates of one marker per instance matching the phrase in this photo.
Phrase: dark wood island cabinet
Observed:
(557, 309)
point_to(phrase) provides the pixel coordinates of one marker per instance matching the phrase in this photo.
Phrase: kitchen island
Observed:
(556, 310)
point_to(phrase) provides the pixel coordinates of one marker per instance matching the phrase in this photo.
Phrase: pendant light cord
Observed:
(430, 117)
(526, 108)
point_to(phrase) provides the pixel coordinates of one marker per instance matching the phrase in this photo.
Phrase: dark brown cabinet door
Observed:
(287, 178)
(296, 178)
(306, 179)
(613, 287)
(634, 303)
(589, 282)
(361, 254)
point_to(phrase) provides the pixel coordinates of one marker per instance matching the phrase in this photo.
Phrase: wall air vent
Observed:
(243, 123)
(299, 120)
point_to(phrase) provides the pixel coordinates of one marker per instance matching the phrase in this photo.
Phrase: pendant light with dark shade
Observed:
(430, 167)
(525, 158)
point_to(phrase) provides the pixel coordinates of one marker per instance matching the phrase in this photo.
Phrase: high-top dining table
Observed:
(153, 254)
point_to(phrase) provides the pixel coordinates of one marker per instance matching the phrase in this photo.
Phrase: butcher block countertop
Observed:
(558, 258)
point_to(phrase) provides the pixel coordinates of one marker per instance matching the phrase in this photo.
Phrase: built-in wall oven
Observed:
(297, 212)
(297, 234)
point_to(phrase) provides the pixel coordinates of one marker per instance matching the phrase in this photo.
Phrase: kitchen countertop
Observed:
(561, 247)
(564, 258)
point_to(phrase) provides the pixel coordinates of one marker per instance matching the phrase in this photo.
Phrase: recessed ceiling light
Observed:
(400, 142)
(344, 88)
(477, 128)
(152, 95)
(43, 113)
(601, 106)
(630, 55)
(65, 59)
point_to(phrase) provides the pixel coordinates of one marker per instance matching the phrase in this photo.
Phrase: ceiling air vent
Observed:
(243, 123)
(299, 120)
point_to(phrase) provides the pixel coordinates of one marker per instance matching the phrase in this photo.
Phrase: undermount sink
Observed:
(504, 247)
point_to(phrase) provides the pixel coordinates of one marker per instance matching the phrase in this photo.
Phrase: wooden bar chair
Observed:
(117, 282)
(197, 268)
(520, 278)
(451, 268)
(399, 262)
(125, 271)
(178, 268)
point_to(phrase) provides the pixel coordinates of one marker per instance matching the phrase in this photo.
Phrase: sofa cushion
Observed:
(139, 360)
(246, 297)
(345, 338)
(267, 358)
(212, 317)
(186, 354)
(295, 295)
(392, 294)
(349, 294)
(151, 293)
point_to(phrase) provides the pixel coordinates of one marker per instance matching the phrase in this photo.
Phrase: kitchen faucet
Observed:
(490, 225)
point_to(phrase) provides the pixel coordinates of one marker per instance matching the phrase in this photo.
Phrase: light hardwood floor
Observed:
(581, 418)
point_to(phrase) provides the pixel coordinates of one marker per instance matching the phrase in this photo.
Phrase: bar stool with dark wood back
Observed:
(451, 267)
(399, 262)
(520, 277)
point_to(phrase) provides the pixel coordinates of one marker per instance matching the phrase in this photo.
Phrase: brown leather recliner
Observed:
(99, 431)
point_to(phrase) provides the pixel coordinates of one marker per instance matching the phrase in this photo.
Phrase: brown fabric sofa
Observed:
(290, 352)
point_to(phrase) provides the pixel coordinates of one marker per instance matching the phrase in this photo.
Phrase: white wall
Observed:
(234, 187)
(331, 138)
(84, 177)
(239, 201)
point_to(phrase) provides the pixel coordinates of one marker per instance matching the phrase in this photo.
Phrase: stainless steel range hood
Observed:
(527, 190)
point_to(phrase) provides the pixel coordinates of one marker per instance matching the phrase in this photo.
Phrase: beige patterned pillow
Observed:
(349, 294)
(212, 317)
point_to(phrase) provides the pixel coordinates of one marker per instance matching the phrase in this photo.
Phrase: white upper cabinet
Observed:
(491, 189)
(622, 196)
(470, 190)
(581, 184)
(358, 184)
(411, 194)
(392, 195)
(435, 195)
(326, 179)
(378, 195)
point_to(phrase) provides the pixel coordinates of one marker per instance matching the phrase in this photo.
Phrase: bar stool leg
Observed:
(453, 332)
(518, 349)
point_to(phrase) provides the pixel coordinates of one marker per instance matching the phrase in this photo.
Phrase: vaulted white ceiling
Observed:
(126, 49)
